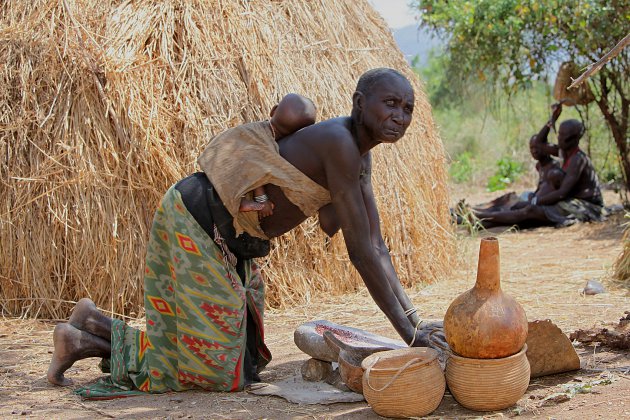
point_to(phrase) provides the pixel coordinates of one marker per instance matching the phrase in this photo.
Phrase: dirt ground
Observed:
(544, 269)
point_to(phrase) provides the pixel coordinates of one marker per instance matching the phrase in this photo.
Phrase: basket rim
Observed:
(428, 356)
(489, 361)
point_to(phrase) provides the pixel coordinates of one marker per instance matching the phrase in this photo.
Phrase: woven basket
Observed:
(488, 384)
(404, 382)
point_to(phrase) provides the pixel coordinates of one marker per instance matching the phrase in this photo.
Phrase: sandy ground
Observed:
(544, 269)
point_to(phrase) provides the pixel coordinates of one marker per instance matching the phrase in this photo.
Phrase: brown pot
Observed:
(349, 359)
(484, 322)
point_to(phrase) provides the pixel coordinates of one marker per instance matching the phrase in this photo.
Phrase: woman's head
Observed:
(569, 134)
(383, 104)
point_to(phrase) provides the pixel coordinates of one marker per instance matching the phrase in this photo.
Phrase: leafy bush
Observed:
(461, 168)
(508, 170)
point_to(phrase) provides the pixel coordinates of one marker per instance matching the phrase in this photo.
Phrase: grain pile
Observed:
(104, 105)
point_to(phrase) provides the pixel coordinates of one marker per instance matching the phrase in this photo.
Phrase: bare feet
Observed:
(86, 317)
(71, 345)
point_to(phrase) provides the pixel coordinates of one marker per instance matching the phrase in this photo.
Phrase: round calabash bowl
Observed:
(488, 384)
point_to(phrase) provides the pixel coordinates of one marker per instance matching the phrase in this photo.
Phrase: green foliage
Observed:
(461, 168)
(479, 126)
(512, 44)
(508, 170)
(442, 91)
(513, 41)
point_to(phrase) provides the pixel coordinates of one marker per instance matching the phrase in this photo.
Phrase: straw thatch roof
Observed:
(103, 105)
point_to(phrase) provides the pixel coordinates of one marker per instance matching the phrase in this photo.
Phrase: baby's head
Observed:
(292, 113)
(555, 177)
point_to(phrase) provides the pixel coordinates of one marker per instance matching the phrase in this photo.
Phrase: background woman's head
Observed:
(569, 134)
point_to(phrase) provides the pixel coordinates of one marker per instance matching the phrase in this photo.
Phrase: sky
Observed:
(395, 12)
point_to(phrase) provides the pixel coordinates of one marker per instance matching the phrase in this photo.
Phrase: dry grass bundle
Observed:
(581, 95)
(103, 105)
(621, 267)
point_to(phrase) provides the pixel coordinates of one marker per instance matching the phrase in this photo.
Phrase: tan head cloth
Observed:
(246, 157)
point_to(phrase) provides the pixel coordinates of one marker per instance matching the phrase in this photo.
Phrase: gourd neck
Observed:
(488, 268)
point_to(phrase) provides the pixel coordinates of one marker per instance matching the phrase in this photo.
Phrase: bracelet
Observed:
(534, 201)
(413, 340)
(261, 198)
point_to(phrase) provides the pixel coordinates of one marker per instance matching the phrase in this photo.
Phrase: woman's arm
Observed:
(343, 168)
(541, 137)
(379, 244)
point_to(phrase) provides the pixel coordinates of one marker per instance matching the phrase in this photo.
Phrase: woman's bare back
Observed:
(306, 150)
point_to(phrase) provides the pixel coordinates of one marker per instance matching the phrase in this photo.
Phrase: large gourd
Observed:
(484, 322)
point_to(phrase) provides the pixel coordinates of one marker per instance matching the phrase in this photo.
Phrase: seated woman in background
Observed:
(550, 176)
(578, 196)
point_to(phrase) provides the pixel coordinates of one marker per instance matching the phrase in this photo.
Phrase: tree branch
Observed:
(595, 67)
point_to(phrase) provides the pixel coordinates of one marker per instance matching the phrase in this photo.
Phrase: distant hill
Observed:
(413, 41)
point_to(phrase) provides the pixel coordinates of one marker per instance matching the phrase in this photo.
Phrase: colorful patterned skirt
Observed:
(196, 315)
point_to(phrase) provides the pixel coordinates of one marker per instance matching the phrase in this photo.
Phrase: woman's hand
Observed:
(430, 334)
(556, 110)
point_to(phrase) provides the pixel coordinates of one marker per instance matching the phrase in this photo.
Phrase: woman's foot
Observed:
(86, 317)
(71, 345)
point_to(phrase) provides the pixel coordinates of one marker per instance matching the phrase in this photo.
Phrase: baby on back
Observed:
(291, 114)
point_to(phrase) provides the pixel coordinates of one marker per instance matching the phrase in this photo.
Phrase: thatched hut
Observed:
(103, 105)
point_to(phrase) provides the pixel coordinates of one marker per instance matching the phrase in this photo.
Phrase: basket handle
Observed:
(391, 381)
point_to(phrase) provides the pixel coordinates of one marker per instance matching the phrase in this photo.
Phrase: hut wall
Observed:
(104, 105)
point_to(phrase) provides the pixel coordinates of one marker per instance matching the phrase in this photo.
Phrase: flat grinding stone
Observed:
(309, 338)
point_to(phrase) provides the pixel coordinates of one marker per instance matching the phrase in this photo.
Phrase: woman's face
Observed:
(388, 108)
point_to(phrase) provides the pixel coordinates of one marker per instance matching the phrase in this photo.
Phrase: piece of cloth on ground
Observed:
(573, 210)
(196, 315)
(246, 157)
(298, 391)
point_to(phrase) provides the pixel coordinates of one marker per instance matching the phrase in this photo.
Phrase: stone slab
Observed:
(549, 350)
(309, 338)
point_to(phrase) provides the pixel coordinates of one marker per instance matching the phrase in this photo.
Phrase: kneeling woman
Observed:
(204, 304)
